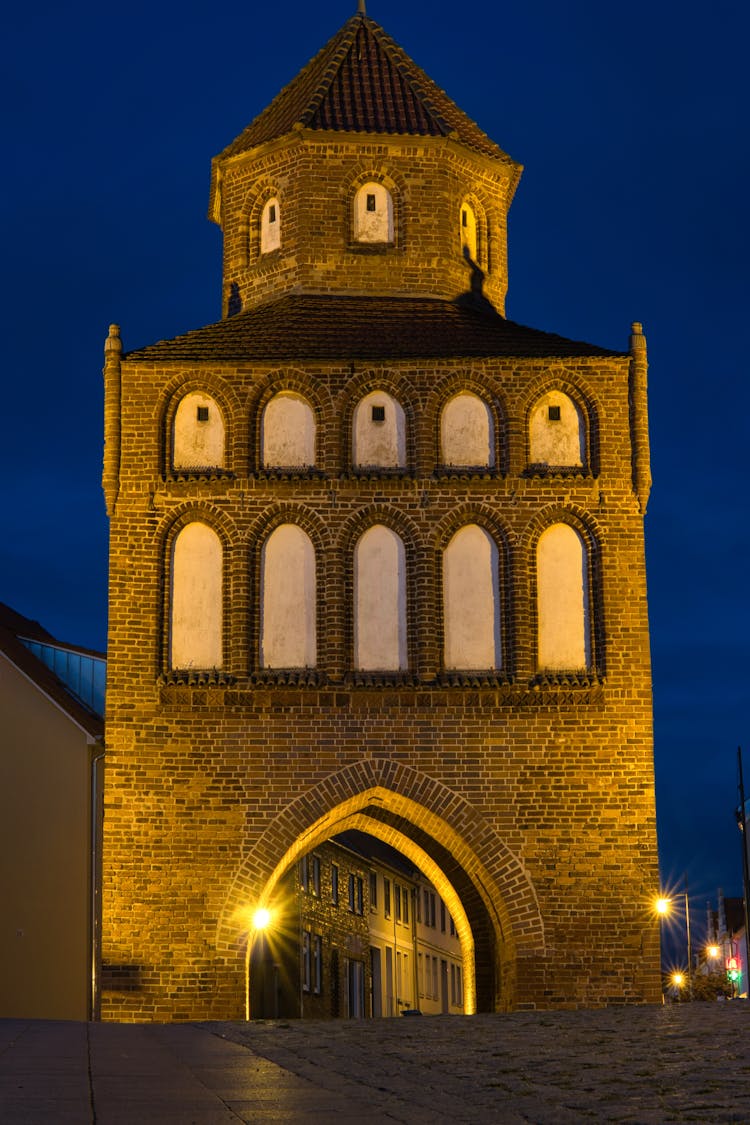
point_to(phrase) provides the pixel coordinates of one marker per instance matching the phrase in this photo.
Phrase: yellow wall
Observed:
(45, 844)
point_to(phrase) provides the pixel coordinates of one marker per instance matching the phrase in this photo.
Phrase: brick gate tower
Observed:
(377, 563)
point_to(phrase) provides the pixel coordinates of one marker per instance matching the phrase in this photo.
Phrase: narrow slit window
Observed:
(553, 413)
(378, 414)
(370, 201)
(202, 413)
(272, 213)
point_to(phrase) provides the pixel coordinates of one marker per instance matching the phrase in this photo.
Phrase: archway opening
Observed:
(376, 910)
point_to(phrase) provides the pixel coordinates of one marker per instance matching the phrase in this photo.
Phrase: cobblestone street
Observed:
(645, 1065)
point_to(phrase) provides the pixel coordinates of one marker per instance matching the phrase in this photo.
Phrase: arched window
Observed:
(380, 601)
(270, 226)
(196, 601)
(563, 603)
(469, 232)
(288, 627)
(197, 434)
(373, 214)
(379, 433)
(556, 432)
(288, 433)
(467, 434)
(471, 600)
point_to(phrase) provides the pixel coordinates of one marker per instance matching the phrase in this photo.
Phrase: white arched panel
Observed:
(288, 628)
(564, 627)
(471, 601)
(373, 214)
(379, 433)
(469, 228)
(467, 435)
(288, 432)
(380, 601)
(196, 603)
(198, 433)
(556, 432)
(270, 226)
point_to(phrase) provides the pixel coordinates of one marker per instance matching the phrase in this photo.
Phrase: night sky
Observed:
(631, 124)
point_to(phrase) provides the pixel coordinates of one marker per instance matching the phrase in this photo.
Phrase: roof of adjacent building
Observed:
(361, 81)
(15, 630)
(329, 327)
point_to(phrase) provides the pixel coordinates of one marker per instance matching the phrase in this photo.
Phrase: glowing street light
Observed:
(677, 979)
(261, 918)
(663, 906)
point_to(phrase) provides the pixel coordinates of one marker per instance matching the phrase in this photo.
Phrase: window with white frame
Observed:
(356, 894)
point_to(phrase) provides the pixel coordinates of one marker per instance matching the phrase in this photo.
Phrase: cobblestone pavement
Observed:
(651, 1066)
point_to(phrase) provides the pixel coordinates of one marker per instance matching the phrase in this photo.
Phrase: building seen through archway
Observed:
(376, 568)
(357, 931)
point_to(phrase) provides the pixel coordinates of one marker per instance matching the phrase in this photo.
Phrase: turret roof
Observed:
(363, 82)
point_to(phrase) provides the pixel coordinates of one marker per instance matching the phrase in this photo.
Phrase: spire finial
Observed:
(361, 9)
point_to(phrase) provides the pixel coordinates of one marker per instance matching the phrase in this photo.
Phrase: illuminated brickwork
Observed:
(526, 791)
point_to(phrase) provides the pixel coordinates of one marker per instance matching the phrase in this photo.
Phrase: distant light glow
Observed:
(678, 979)
(663, 905)
(713, 951)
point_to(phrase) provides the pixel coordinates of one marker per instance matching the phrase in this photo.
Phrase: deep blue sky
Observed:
(631, 123)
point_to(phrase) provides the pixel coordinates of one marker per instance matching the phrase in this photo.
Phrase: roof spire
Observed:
(361, 9)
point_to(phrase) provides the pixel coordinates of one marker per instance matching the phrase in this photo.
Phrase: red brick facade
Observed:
(533, 794)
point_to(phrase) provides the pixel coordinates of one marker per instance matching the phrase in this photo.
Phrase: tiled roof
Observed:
(363, 82)
(14, 626)
(310, 326)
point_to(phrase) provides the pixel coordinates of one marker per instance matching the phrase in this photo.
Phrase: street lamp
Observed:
(260, 920)
(663, 906)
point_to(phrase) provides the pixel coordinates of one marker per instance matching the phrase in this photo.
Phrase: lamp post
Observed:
(663, 906)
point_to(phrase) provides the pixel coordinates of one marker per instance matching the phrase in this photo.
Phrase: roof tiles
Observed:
(329, 327)
(361, 81)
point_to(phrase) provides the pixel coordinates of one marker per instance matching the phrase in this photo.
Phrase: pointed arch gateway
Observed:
(484, 885)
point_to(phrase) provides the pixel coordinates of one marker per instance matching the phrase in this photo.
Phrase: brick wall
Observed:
(315, 176)
(535, 796)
